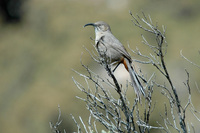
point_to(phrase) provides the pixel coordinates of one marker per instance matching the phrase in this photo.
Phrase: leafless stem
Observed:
(54, 127)
(188, 60)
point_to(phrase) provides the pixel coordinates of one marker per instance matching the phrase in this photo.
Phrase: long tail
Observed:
(134, 79)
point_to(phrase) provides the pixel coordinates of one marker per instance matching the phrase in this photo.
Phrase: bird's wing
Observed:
(116, 44)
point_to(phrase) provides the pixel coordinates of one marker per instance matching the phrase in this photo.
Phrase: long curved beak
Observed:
(89, 24)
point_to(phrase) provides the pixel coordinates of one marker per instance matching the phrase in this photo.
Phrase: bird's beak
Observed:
(89, 24)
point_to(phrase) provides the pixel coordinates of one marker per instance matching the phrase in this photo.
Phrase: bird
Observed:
(112, 50)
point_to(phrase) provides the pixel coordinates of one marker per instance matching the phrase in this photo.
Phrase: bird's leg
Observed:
(116, 66)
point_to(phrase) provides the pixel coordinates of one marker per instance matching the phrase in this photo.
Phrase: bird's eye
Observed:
(101, 27)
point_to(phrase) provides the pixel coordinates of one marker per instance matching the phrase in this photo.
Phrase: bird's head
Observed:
(99, 26)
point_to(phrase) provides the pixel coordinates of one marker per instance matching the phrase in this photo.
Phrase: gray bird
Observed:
(111, 49)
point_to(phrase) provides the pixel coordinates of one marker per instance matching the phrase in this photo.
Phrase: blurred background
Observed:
(41, 41)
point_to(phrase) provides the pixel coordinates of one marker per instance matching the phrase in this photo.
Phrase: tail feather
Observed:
(134, 80)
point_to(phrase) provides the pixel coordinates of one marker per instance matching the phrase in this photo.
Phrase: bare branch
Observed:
(54, 127)
(188, 60)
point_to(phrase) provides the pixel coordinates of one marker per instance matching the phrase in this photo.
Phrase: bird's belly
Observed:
(110, 54)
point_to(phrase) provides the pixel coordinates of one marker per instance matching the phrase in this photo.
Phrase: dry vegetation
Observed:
(38, 55)
(121, 112)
